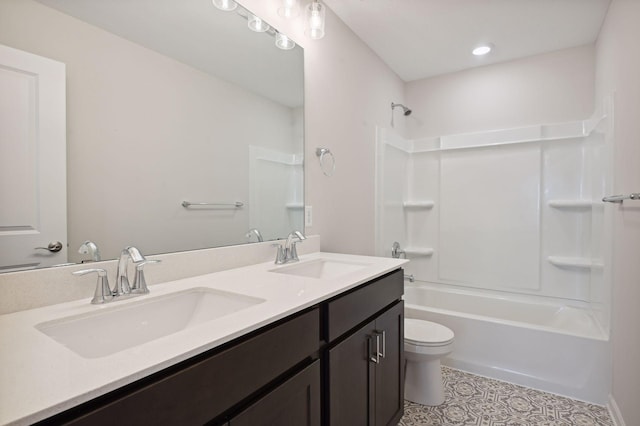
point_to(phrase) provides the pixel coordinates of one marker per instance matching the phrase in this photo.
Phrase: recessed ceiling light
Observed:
(482, 49)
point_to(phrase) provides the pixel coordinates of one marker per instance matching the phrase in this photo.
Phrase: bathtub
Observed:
(539, 344)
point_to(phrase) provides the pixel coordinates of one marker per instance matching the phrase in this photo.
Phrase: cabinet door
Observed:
(350, 372)
(389, 377)
(295, 402)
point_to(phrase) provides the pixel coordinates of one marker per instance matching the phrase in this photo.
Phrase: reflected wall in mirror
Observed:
(166, 101)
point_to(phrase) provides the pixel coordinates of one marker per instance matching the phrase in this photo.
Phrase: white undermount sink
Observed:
(115, 328)
(320, 268)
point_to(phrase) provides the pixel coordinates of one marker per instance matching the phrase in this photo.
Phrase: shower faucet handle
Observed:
(396, 251)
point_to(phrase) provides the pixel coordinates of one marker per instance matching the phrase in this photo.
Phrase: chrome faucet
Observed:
(90, 248)
(254, 231)
(290, 252)
(104, 294)
(122, 280)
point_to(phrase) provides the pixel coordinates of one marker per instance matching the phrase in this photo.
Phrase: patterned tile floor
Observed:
(475, 400)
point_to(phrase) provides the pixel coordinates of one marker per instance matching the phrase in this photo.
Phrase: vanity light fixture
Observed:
(289, 9)
(257, 24)
(482, 49)
(226, 5)
(283, 42)
(315, 20)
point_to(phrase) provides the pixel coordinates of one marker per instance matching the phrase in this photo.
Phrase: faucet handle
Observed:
(103, 292)
(396, 251)
(139, 283)
(293, 252)
(280, 255)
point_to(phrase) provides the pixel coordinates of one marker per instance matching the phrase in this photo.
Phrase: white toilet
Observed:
(425, 342)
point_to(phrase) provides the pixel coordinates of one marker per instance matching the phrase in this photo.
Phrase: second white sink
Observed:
(115, 328)
(320, 268)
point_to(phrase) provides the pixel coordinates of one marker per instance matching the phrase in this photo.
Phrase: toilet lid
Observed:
(426, 333)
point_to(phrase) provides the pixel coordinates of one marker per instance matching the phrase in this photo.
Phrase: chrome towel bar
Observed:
(621, 198)
(237, 204)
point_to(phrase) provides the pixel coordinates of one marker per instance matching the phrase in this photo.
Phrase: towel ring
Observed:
(323, 154)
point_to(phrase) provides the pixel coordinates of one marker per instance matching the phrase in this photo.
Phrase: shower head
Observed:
(406, 110)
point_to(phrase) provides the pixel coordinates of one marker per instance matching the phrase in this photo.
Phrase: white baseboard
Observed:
(614, 412)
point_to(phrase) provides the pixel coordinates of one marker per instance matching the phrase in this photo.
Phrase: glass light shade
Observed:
(283, 42)
(315, 20)
(289, 8)
(256, 24)
(226, 5)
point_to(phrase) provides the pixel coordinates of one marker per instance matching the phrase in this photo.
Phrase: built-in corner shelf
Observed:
(570, 203)
(575, 262)
(425, 204)
(419, 251)
(295, 206)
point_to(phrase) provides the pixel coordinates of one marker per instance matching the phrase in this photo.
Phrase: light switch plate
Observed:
(308, 216)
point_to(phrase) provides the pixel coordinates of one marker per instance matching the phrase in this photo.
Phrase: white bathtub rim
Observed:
(504, 295)
(601, 336)
(548, 375)
(598, 332)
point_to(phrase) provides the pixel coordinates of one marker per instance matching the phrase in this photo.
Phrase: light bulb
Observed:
(315, 20)
(226, 5)
(283, 42)
(256, 24)
(289, 9)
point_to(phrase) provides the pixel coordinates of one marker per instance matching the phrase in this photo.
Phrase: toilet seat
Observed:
(426, 333)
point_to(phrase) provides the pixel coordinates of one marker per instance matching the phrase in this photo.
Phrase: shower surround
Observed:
(510, 215)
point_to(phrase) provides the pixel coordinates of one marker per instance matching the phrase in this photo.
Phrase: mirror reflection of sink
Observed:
(107, 331)
(321, 268)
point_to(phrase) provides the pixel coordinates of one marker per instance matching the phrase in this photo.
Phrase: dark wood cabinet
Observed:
(295, 402)
(389, 374)
(337, 363)
(210, 386)
(365, 373)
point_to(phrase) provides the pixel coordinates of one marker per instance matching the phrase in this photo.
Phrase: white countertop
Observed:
(39, 377)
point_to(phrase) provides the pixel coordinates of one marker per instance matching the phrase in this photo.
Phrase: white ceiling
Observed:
(423, 38)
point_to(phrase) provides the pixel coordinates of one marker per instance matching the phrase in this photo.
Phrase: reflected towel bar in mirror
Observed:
(235, 205)
(621, 198)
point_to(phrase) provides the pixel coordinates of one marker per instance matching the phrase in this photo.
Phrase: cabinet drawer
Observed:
(349, 310)
(204, 390)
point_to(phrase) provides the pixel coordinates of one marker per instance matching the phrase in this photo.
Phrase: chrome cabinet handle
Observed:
(376, 354)
(384, 342)
(53, 247)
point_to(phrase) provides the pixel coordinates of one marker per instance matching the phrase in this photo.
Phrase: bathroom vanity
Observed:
(324, 346)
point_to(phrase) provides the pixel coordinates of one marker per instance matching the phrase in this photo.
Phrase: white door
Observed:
(33, 204)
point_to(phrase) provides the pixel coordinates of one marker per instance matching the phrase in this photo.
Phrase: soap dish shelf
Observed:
(426, 204)
(419, 251)
(575, 262)
(570, 203)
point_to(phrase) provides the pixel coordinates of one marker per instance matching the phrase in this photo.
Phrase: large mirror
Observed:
(169, 104)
